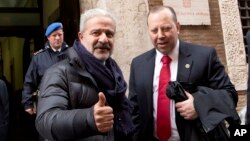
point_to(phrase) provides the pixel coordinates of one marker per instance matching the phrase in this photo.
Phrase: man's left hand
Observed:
(186, 108)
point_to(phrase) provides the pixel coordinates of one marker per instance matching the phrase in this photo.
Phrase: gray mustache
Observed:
(102, 46)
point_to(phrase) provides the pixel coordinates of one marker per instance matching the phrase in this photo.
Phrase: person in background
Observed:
(4, 111)
(52, 53)
(41, 61)
(83, 97)
(211, 97)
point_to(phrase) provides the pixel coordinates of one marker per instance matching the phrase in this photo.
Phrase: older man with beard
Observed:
(83, 97)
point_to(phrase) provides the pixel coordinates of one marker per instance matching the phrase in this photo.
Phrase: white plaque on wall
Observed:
(191, 12)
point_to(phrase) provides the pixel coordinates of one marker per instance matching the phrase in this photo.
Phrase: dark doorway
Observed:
(20, 28)
(31, 34)
(70, 15)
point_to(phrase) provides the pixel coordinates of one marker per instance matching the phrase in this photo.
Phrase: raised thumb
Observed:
(102, 99)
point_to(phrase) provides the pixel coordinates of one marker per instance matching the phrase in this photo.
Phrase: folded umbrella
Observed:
(175, 91)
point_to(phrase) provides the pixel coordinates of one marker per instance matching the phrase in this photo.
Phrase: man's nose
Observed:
(57, 37)
(160, 34)
(103, 38)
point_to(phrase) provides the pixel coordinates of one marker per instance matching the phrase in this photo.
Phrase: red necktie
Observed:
(163, 109)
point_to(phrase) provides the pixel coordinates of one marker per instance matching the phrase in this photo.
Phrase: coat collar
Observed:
(78, 65)
(63, 47)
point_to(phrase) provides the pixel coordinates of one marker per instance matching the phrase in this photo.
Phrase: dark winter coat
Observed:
(65, 106)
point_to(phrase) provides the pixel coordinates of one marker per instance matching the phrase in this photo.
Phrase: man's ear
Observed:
(80, 35)
(178, 26)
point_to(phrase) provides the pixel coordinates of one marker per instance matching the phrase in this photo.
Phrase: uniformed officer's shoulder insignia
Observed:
(39, 51)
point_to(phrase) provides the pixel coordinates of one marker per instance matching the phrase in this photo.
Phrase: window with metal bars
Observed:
(244, 9)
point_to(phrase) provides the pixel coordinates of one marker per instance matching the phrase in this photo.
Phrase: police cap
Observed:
(52, 27)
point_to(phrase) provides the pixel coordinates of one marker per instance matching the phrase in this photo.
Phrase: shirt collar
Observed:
(55, 50)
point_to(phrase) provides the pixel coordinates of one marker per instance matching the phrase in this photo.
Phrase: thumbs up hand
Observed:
(103, 115)
(102, 100)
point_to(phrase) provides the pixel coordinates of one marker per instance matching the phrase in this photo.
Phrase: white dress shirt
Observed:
(173, 68)
(55, 50)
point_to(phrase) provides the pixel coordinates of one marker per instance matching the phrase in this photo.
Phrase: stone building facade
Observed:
(224, 34)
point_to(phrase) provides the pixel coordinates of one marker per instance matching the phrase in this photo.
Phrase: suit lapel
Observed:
(149, 75)
(184, 63)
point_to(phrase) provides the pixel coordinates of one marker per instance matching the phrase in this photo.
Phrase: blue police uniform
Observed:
(40, 62)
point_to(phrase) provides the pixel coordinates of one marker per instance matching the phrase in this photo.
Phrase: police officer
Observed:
(41, 61)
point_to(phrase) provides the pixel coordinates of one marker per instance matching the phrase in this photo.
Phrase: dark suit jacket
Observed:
(205, 70)
(4, 111)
